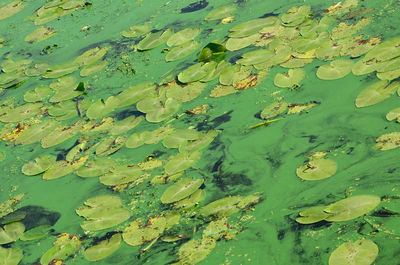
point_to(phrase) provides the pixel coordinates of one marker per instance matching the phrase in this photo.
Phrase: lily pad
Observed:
(36, 132)
(40, 165)
(351, 208)
(104, 248)
(40, 34)
(181, 162)
(36, 233)
(182, 51)
(393, 114)
(220, 13)
(183, 36)
(92, 68)
(11, 232)
(181, 189)
(135, 93)
(335, 70)
(21, 113)
(195, 72)
(62, 168)
(376, 93)
(177, 137)
(65, 245)
(110, 145)
(383, 52)
(185, 93)
(274, 109)
(136, 233)
(91, 56)
(61, 134)
(251, 27)
(11, 9)
(312, 215)
(121, 174)
(64, 110)
(388, 141)
(38, 94)
(212, 52)
(316, 169)
(222, 207)
(37, 69)
(101, 108)
(136, 31)
(255, 57)
(234, 44)
(194, 251)
(153, 40)
(102, 212)
(61, 70)
(389, 75)
(200, 143)
(290, 79)
(158, 109)
(96, 168)
(125, 125)
(295, 15)
(360, 252)
(10, 256)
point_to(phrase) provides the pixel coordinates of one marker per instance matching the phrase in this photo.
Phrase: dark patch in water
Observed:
(268, 15)
(216, 167)
(126, 113)
(196, 6)
(37, 215)
(209, 125)
(225, 181)
(281, 234)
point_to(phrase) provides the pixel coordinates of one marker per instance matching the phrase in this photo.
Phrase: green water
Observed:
(238, 162)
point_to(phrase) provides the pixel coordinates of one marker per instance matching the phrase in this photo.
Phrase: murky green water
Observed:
(238, 162)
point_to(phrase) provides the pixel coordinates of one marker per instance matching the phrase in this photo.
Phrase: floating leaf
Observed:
(393, 114)
(101, 108)
(190, 201)
(312, 215)
(91, 56)
(110, 145)
(389, 75)
(181, 162)
(62, 168)
(335, 70)
(343, 30)
(39, 34)
(7, 206)
(38, 94)
(153, 40)
(102, 212)
(360, 252)
(234, 44)
(177, 137)
(185, 93)
(274, 110)
(61, 134)
(351, 207)
(157, 109)
(65, 245)
(10, 256)
(255, 57)
(295, 15)
(200, 143)
(182, 51)
(121, 174)
(36, 132)
(61, 70)
(11, 232)
(212, 52)
(180, 190)
(104, 248)
(376, 93)
(222, 207)
(195, 72)
(96, 168)
(125, 125)
(135, 93)
(92, 68)
(317, 169)
(36, 233)
(183, 36)
(383, 52)
(11, 9)
(220, 12)
(136, 31)
(37, 69)
(221, 90)
(251, 27)
(64, 110)
(388, 141)
(290, 79)
(194, 251)
(136, 233)
(22, 112)
(40, 165)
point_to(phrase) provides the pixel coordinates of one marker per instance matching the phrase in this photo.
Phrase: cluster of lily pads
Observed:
(60, 112)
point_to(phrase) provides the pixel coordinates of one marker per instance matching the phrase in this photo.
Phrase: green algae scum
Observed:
(210, 132)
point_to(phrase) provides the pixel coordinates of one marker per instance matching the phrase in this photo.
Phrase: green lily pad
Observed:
(125, 125)
(335, 70)
(10, 256)
(110, 145)
(194, 251)
(295, 15)
(316, 169)
(91, 56)
(274, 109)
(388, 141)
(222, 207)
(37, 69)
(212, 52)
(102, 212)
(153, 40)
(182, 51)
(12, 80)
(290, 79)
(303, 45)
(220, 13)
(255, 57)
(136, 233)
(121, 174)
(351, 207)
(181, 162)
(234, 44)
(393, 114)
(343, 30)
(61, 70)
(219, 229)
(104, 248)
(40, 165)
(38, 94)
(96, 168)
(135, 93)
(312, 215)
(40, 34)
(11, 9)
(8, 206)
(385, 51)
(194, 199)
(21, 113)
(180, 190)
(195, 72)
(185, 93)
(92, 68)
(64, 246)
(11, 232)
(158, 109)
(62, 168)
(177, 137)
(328, 50)
(389, 75)
(234, 74)
(136, 31)
(251, 27)
(183, 36)
(360, 252)
(200, 143)
(64, 110)
(36, 132)
(38, 232)
(65, 88)
(61, 134)
(216, 71)
(376, 93)
(101, 108)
